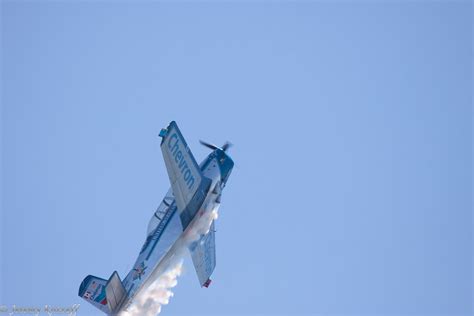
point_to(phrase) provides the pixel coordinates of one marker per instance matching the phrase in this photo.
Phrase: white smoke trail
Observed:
(156, 295)
(150, 301)
(200, 227)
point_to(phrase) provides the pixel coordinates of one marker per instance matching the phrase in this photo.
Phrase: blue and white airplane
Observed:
(195, 193)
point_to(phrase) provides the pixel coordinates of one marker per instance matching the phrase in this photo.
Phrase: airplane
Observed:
(195, 193)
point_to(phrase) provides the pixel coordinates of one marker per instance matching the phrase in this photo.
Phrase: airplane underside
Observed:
(184, 221)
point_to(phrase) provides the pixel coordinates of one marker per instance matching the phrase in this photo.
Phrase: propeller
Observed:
(224, 147)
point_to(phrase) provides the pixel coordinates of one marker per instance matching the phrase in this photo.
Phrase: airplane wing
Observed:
(188, 183)
(203, 253)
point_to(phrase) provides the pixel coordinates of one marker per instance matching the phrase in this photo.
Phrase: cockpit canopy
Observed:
(160, 212)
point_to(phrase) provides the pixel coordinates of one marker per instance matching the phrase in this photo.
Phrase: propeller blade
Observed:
(208, 145)
(226, 146)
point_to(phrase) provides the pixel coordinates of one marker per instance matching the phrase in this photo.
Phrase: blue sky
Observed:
(352, 190)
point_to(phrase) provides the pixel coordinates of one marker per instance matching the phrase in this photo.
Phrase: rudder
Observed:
(92, 290)
(106, 295)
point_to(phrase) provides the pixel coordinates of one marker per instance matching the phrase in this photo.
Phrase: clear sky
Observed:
(352, 190)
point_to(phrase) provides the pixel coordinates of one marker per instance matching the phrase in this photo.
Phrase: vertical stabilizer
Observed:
(108, 296)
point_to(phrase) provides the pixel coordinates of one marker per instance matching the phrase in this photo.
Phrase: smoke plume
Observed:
(150, 301)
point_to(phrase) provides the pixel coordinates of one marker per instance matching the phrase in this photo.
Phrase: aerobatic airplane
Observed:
(195, 193)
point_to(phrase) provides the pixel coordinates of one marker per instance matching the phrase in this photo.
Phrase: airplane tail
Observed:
(106, 295)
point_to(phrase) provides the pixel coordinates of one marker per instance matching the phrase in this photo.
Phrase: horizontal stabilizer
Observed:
(115, 292)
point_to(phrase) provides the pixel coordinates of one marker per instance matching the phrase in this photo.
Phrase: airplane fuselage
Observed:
(217, 167)
(183, 221)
